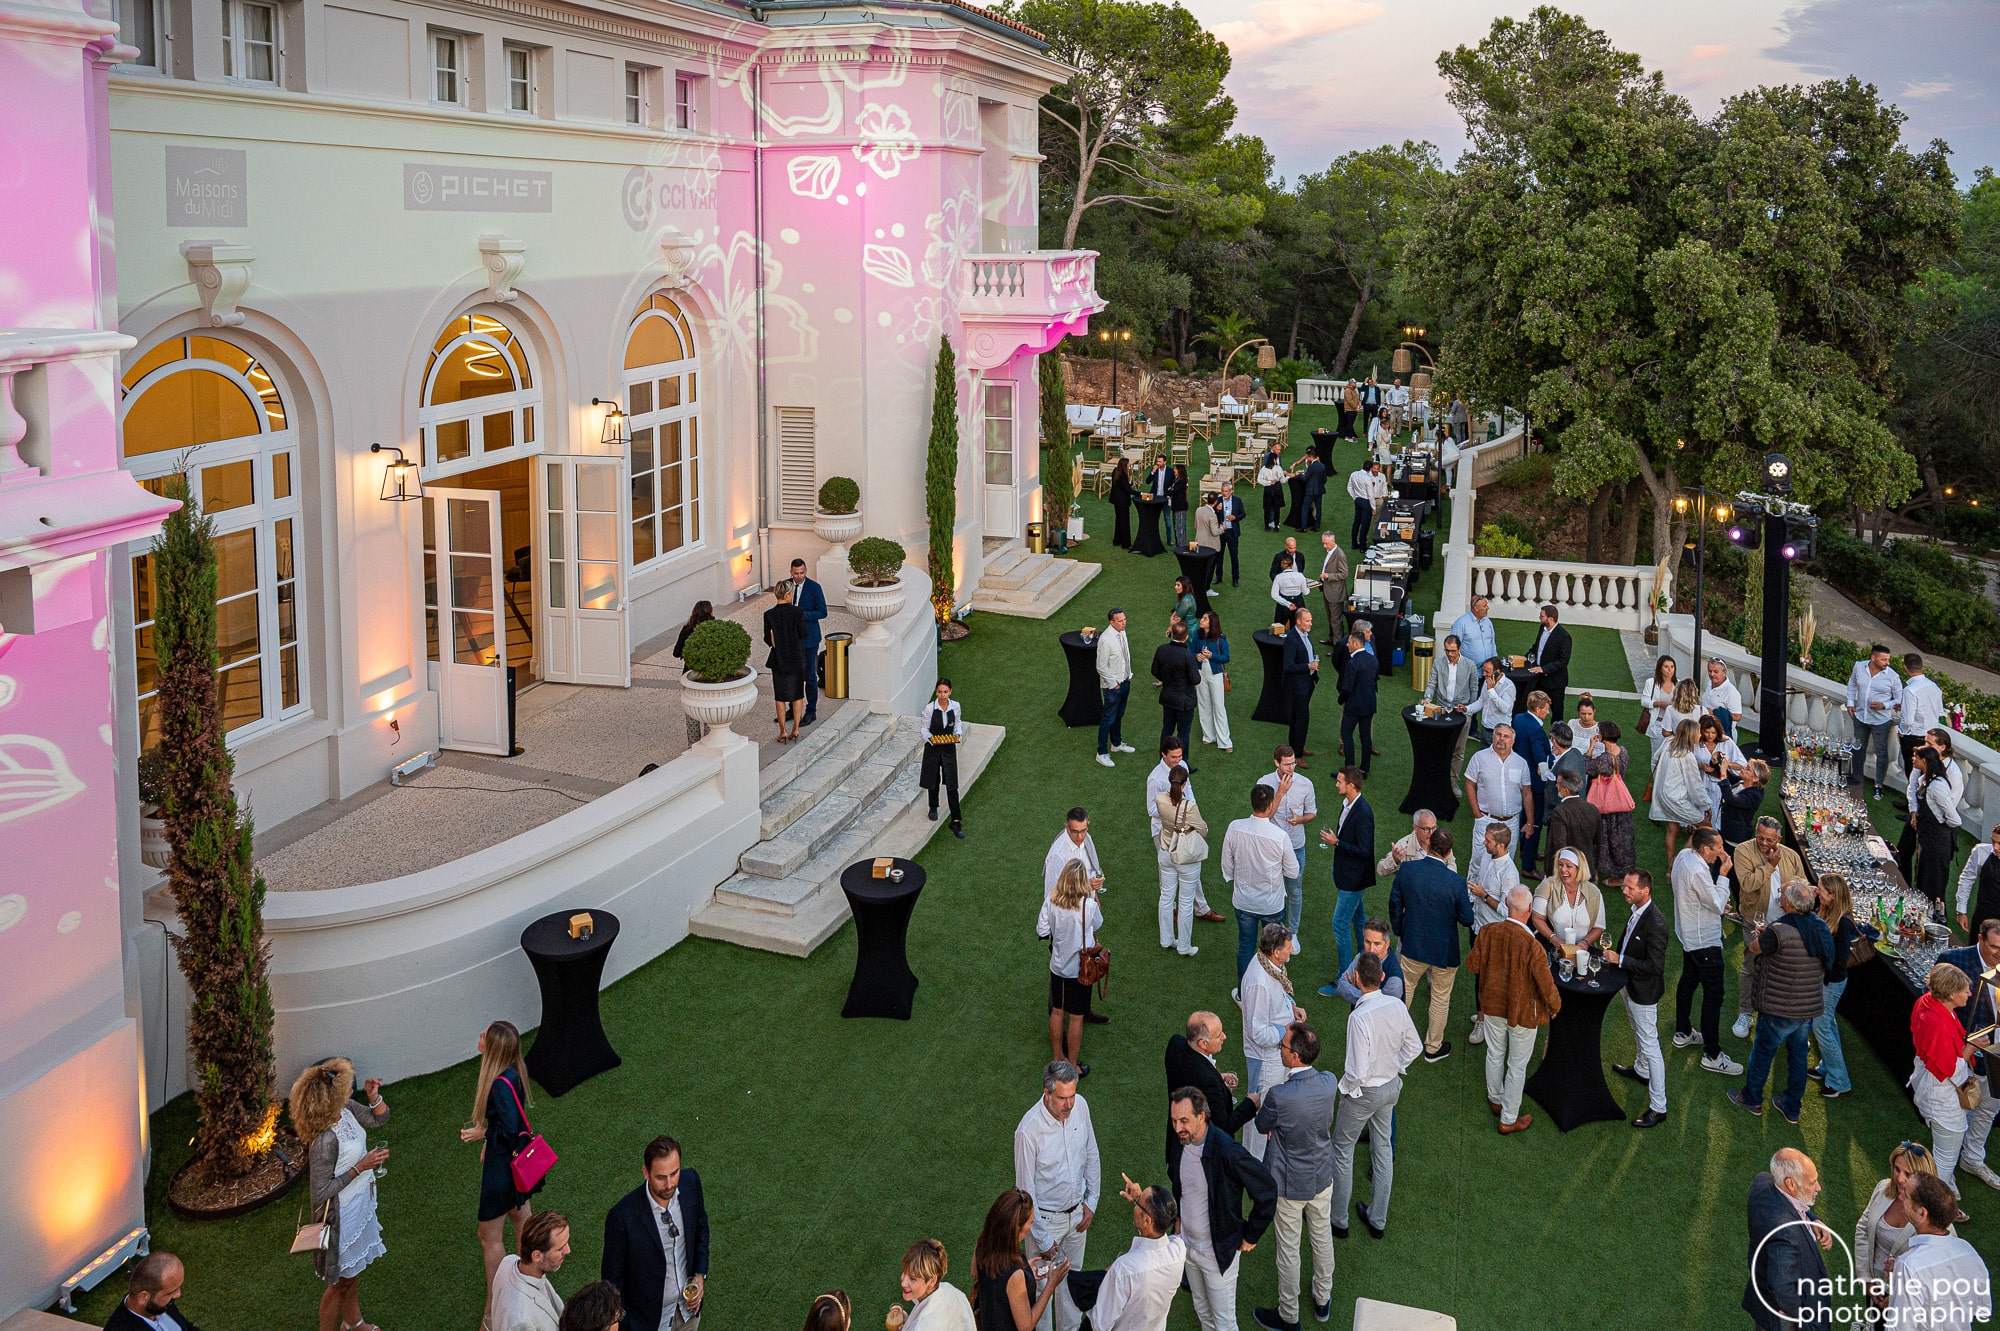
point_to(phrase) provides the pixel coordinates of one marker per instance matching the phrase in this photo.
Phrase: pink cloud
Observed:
(1275, 23)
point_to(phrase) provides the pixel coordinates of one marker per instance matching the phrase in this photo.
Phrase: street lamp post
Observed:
(1112, 339)
(1700, 495)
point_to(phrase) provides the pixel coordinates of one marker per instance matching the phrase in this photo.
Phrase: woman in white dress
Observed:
(1685, 705)
(1716, 748)
(1655, 696)
(1680, 794)
(342, 1176)
(1183, 840)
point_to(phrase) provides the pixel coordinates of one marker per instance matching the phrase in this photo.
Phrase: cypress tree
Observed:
(941, 480)
(1058, 479)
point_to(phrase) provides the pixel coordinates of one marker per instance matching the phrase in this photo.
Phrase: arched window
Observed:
(479, 397)
(211, 410)
(663, 396)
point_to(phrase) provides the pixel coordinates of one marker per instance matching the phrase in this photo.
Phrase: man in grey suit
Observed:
(1455, 684)
(1298, 1114)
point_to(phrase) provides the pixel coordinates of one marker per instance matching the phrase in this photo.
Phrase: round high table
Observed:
(1148, 542)
(1431, 743)
(1295, 517)
(1525, 682)
(571, 1047)
(1084, 706)
(1273, 704)
(883, 984)
(1322, 444)
(1198, 565)
(1384, 622)
(1569, 1085)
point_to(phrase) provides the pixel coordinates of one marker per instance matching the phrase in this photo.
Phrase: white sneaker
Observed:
(1236, 997)
(1979, 1170)
(1297, 949)
(1478, 1035)
(1188, 951)
(1688, 1040)
(1104, 760)
(1741, 1030)
(1123, 748)
(1722, 1063)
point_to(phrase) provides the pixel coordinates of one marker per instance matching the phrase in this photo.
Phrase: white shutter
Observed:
(798, 463)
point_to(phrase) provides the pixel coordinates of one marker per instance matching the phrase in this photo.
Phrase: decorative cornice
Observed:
(677, 249)
(221, 273)
(502, 259)
(25, 20)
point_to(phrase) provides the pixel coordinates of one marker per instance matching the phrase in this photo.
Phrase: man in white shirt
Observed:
(1257, 858)
(1474, 630)
(1455, 684)
(1137, 1292)
(1294, 808)
(1268, 1008)
(523, 1298)
(1361, 489)
(1490, 876)
(1923, 707)
(1939, 1280)
(1722, 698)
(1072, 843)
(1114, 682)
(1873, 699)
(1500, 788)
(1382, 1042)
(1056, 1163)
(1700, 897)
(1172, 755)
(1399, 405)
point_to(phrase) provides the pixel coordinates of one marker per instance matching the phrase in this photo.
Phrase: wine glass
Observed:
(1595, 964)
(377, 1144)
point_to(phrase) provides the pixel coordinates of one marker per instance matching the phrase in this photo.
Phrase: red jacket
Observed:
(1937, 1035)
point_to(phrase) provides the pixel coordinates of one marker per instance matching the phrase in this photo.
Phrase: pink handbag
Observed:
(532, 1163)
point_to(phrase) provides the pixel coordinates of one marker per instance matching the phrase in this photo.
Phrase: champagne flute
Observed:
(382, 1170)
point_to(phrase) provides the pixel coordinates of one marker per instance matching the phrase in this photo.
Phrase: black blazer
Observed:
(1779, 1268)
(1187, 1067)
(1315, 478)
(1231, 1171)
(124, 1319)
(1354, 851)
(1179, 675)
(1554, 659)
(1298, 561)
(635, 1257)
(1232, 508)
(1298, 663)
(1357, 685)
(1645, 957)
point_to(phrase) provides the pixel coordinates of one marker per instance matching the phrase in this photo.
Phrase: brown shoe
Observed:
(1520, 1124)
(1494, 1105)
(1305, 753)
(1212, 917)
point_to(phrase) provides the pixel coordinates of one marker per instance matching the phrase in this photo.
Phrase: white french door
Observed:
(1002, 501)
(462, 581)
(585, 570)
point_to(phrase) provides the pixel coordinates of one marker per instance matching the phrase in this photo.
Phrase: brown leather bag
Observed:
(1093, 963)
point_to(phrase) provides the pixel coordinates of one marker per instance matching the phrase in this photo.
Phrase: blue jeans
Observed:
(1295, 897)
(1109, 731)
(1248, 926)
(1773, 1032)
(1879, 735)
(1348, 914)
(1832, 1060)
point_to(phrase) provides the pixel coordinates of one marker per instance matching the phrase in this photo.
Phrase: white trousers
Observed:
(1645, 1019)
(1210, 706)
(1214, 1290)
(1316, 1215)
(1057, 1229)
(1978, 1125)
(1508, 1049)
(1167, 867)
(1180, 884)
(1513, 826)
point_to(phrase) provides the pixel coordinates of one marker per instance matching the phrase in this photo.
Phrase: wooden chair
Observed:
(1090, 471)
(1181, 454)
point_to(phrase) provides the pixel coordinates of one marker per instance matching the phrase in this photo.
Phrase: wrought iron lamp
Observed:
(400, 481)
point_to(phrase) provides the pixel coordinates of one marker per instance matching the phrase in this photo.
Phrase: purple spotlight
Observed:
(1736, 535)
(1791, 551)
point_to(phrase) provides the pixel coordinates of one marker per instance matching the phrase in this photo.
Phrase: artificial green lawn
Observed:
(827, 1146)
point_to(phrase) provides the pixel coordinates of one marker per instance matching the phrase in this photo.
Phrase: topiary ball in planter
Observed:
(839, 494)
(876, 561)
(876, 594)
(717, 651)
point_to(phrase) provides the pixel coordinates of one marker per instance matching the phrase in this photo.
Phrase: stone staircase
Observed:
(1015, 581)
(845, 793)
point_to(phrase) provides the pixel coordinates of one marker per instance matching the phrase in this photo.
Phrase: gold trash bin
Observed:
(1038, 540)
(1420, 663)
(835, 681)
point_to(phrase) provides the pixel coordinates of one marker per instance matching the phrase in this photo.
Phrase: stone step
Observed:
(814, 740)
(1017, 571)
(1070, 576)
(888, 758)
(793, 916)
(1003, 562)
(822, 771)
(1045, 576)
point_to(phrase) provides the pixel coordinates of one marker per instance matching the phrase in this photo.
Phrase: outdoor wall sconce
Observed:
(614, 422)
(400, 482)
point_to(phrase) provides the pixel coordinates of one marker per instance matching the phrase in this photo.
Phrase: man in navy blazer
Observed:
(1788, 1282)
(1357, 702)
(1301, 678)
(659, 1226)
(810, 598)
(1531, 741)
(1229, 513)
(1427, 904)
(1229, 1171)
(1352, 837)
(1315, 474)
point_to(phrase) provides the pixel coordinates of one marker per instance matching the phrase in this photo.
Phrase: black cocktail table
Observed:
(1569, 1084)
(1084, 705)
(1149, 543)
(571, 1047)
(1273, 703)
(883, 984)
(1431, 743)
(1295, 517)
(1198, 565)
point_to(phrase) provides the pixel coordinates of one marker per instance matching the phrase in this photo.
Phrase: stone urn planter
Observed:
(876, 606)
(154, 848)
(717, 706)
(836, 529)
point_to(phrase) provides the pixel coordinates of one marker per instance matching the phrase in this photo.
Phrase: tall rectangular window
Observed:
(684, 109)
(249, 41)
(999, 404)
(635, 95)
(521, 80)
(447, 79)
(138, 25)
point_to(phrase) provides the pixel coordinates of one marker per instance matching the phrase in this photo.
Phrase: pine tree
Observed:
(941, 480)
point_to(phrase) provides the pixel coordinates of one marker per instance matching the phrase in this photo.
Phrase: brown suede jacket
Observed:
(1514, 978)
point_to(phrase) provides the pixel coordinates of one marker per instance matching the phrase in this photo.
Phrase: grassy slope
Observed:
(827, 1146)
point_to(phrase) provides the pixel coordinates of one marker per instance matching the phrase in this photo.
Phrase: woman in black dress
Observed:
(1930, 800)
(1005, 1294)
(942, 718)
(1177, 504)
(785, 635)
(501, 1103)
(701, 614)
(1121, 503)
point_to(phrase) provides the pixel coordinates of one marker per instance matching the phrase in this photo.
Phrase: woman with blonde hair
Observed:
(1888, 1223)
(1836, 908)
(341, 1177)
(935, 1303)
(501, 1103)
(1568, 907)
(1073, 925)
(1680, 792)
(1183, 850)
(1941, 1065)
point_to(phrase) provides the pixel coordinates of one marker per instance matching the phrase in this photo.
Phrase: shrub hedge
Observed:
(1938, 600)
